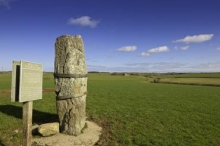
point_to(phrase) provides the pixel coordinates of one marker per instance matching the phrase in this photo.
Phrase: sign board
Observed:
(26, 81)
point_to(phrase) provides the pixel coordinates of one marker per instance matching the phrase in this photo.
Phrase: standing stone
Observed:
(70, 74)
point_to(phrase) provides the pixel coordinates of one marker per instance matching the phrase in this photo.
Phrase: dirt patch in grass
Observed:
(106, 137)
(5, 92)
(48, 90)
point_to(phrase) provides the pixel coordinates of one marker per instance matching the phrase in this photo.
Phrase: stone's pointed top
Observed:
(67, 35)
(79, 36)
(70, 58)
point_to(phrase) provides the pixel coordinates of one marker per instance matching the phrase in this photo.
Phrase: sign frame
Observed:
(27, 81)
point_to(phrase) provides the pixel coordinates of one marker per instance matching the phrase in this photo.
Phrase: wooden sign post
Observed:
(27, 122)
(26, 86)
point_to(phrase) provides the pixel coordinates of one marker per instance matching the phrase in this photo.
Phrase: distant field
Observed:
(206, 79)
(193, 81)
(193, 75)
(131, 110)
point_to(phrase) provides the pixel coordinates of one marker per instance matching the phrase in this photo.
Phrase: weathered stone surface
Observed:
(70, 59)
(49, 129)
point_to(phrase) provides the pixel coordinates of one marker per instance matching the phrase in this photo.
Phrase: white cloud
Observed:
(127, 49)
(155, 50)
(142, 64)
(207, 66)
(159, 49)
(84, 21)
(6, 3)
(156, 64)
(218, 48)
(145, 54)
(184, 48)
(160, 67)
(195, 38)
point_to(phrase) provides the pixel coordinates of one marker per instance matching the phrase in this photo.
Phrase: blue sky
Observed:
(118, 35)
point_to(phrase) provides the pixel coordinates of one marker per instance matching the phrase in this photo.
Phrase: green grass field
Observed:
(131, 111)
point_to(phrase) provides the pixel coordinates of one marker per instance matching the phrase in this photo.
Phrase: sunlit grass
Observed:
(140, 113)
(131, 111)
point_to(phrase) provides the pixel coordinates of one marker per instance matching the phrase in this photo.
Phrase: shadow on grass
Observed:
(1, 144)
(39, 117)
